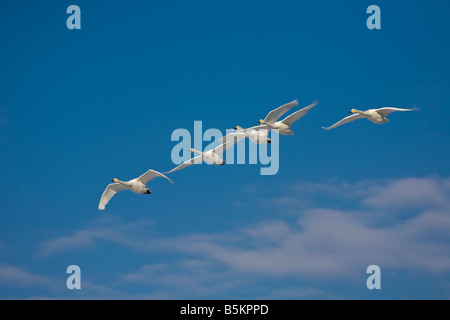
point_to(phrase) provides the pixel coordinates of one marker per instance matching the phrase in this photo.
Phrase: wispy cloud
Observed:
(13, 275)
(187, 277)
(327, 239)
(110, 231)
(410, 193)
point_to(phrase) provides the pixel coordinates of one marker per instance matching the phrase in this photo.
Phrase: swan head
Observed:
(191, 149)
(260, 121)
(148, 191)
(114, 180)
(269, 140)
(352, 111)
(238, 128)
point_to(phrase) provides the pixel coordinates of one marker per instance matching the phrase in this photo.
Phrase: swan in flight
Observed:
(257, 134)
(213, 156)
(136, 185)
(275, 114)
(260, 134)
(377, 116)
(284, 126)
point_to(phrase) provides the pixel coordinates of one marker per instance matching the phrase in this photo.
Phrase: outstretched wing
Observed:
(351, 118)
(234, 136)
(228, 141)
(150, 175)
(109, 192)
(274, 115)
(387, 111)
(298, 114)
(186, 164)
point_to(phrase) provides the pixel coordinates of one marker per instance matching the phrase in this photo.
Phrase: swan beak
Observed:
(260, 121)
(191, 150)
(114, 180)
(269, 140)
(352, 111)
(148, 192)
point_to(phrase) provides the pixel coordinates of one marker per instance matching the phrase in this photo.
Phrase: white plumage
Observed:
(284, 126)
(136, 185)
(377, 116)
(213, 156)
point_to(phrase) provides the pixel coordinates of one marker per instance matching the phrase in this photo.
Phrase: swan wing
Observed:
(228, 141)
(186, 164)
(387, 111)
(298, 114)
(150, 175)
(109, 192)
(234, 136)
(348, 119)
(275, 114)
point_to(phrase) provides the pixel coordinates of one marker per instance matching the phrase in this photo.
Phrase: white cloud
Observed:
(110, 231)
(326, 240)
(51, 288)
(188, 278)
(410, 193)
(327, 243)
(337, 242)
(13, 275)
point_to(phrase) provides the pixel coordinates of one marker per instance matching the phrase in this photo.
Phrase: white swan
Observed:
(284, 126)
(275, 114)
(213, 156)
(257, 134)
(136, 185)
(377, 116)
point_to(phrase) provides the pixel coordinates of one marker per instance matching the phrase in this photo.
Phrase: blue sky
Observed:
(80, 107)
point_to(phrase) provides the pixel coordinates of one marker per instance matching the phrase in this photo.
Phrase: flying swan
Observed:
(284, 126)
(257, 134)
(136, 185)
(213, 156)
(377, 116)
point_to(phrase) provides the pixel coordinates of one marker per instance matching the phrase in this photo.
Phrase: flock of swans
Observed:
(257, 134)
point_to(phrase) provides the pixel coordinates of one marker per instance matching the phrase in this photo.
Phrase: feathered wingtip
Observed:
(415, 108)
(326, 128)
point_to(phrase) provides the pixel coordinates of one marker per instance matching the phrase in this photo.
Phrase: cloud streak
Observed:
(343, 229)
(112, 232)
(13, 275)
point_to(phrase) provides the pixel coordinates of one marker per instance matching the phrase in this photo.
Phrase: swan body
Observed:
(284, 126)
(137, 185)
(377, 116)
(257, 134)
(210, 157)
(214, 156)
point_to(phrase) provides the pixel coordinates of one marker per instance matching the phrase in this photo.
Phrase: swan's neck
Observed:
(358, 111)
(125, 183)
(196, 151)
(270, 125)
